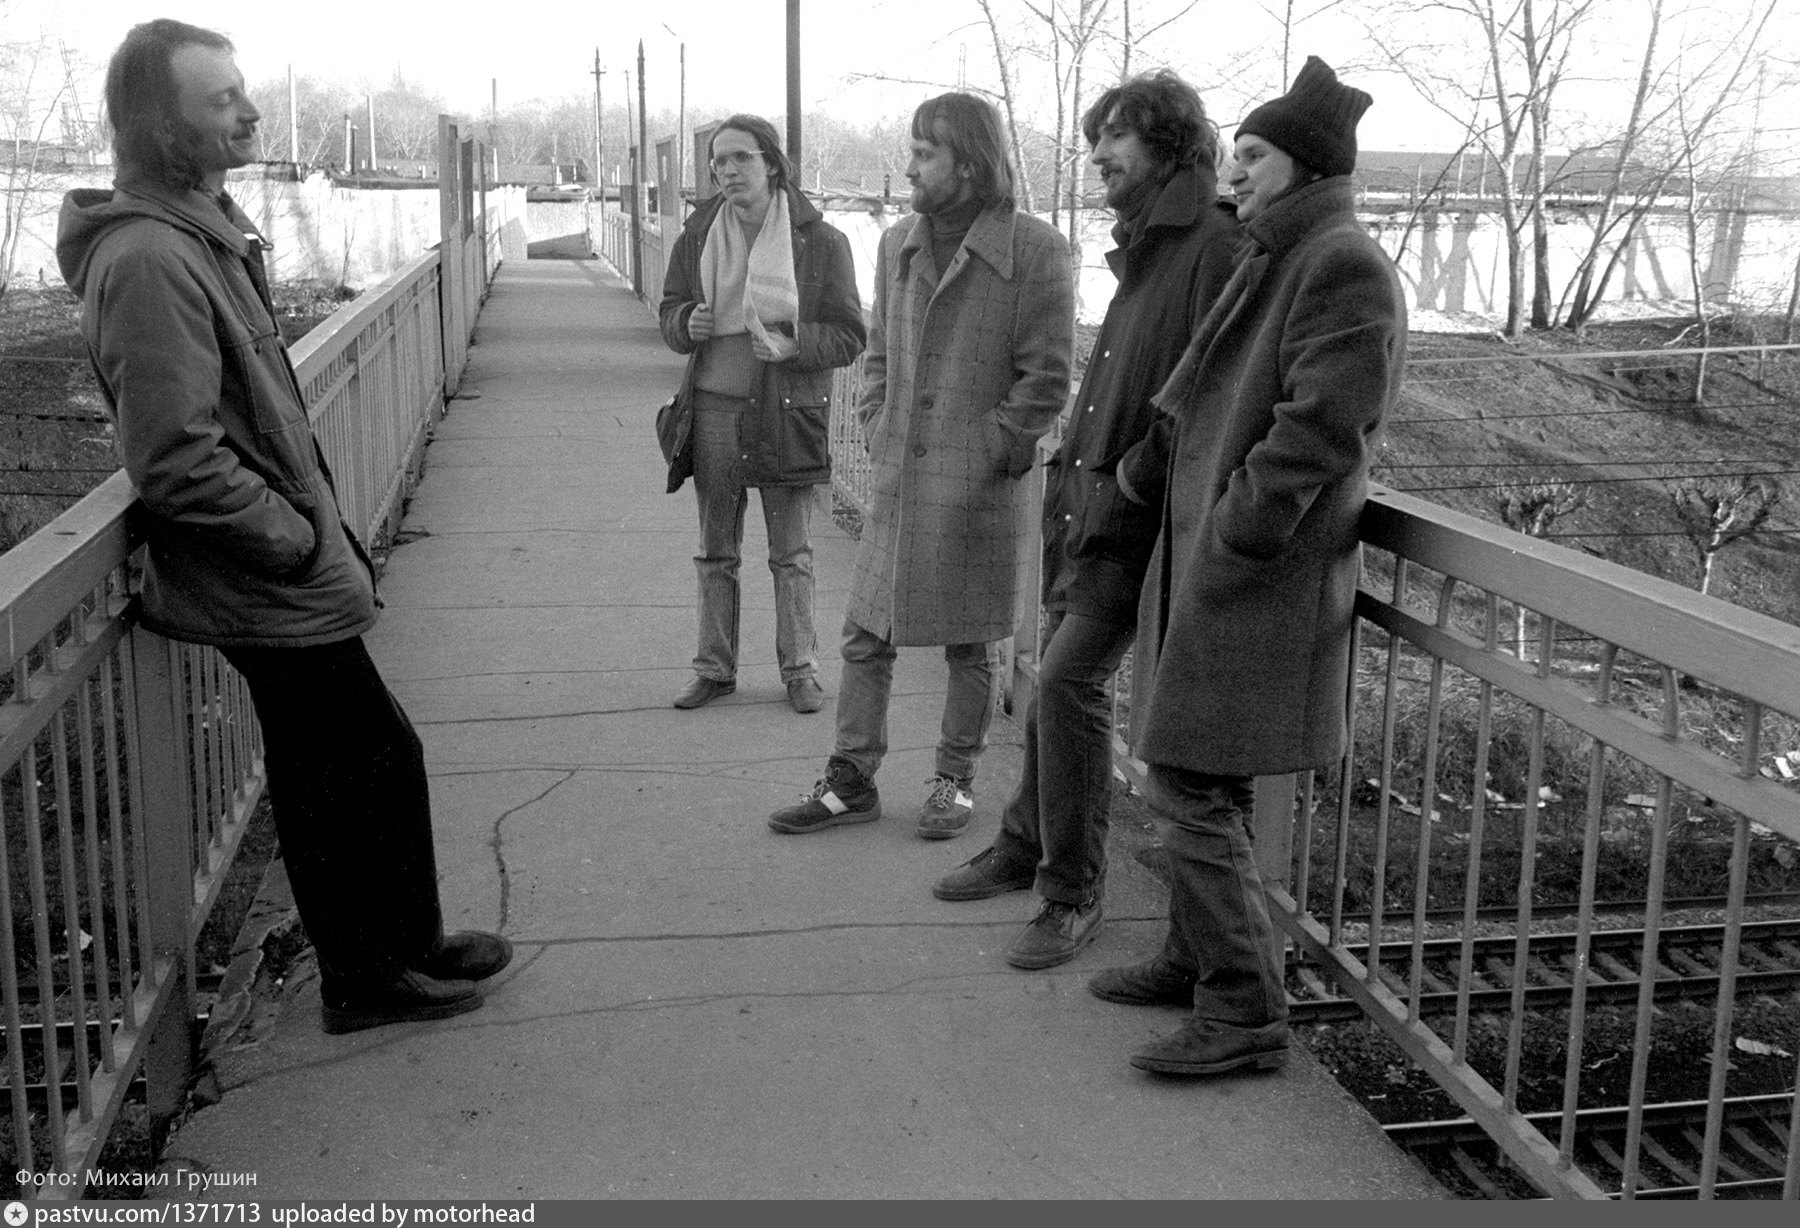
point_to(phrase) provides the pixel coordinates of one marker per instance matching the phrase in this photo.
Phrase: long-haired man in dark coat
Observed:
(247, 549)
(1243, 650)
(1156, 151)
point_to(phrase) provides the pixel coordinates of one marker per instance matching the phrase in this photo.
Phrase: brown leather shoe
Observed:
(1155, 982)
(1208, 1047)
(469, 955)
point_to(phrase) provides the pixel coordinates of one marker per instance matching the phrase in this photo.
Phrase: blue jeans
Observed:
(787, 514)
(1218, 921)
(868, 679)
(1058, 817)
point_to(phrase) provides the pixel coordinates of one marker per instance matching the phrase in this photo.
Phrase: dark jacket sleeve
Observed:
(158, 359)
(836, 333)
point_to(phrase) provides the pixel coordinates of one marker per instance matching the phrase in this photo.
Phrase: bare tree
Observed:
(37, 81)
(1532, 508)
(1715, 512)
(1507, 76)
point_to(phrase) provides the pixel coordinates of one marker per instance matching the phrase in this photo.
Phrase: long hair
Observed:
(768, 143)
(969, 127)
(143, 104)
(1165, 112)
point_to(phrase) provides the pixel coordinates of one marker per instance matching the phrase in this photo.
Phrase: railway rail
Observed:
(1753, 1141)
(1687, 966)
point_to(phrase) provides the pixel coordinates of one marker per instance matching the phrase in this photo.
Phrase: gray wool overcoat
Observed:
(1243, 649)
(962, 375)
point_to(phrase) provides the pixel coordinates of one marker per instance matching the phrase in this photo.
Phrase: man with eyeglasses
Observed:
(761, 293)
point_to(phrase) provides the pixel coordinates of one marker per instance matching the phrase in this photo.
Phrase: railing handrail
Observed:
(1756, 656)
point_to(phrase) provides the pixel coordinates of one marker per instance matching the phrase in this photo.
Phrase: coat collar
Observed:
(223, 222)
(1293, 217)
(1178, 205)
(990, 238)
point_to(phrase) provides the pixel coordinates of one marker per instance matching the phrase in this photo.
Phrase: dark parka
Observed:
(1244, 631)
(1097, 543)
(964, 373)
(783, 437)
(246, 544)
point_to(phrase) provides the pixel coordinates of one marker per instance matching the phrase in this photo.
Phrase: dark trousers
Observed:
(1058, 818)
(352, 809)
(1218, 920)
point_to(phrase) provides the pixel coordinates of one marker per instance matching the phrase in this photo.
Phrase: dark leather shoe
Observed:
(805, 696)
(1055, 935)
(982, 877)
(702, 691)
(471, 955)
(412, 996)
(1155, 982)
(1206, 1047)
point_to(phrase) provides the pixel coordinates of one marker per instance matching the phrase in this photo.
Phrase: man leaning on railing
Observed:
(247, 549)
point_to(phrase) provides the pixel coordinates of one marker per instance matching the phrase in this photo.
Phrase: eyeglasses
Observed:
(737, 157)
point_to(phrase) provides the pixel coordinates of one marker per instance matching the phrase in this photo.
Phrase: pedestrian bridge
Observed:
(701, 1008)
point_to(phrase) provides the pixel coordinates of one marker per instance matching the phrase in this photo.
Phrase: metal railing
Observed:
(1637, 690)
(130, 764)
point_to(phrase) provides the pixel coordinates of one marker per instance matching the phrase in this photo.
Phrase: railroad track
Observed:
(1753, 1142)
(1687, 966)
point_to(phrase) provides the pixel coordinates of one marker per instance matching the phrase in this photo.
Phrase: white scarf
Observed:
(771, 298)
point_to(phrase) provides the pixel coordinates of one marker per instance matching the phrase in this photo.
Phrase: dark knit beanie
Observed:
(1314, 122)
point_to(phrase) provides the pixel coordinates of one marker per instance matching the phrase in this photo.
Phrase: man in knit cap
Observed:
(1243, 649)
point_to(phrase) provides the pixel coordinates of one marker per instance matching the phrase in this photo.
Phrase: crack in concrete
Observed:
(497, 842)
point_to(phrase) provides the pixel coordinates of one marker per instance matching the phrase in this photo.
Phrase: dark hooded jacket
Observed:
(246, 544)
(1170, 266)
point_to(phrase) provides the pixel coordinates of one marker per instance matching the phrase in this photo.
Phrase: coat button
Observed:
(1068, 517)
(1078, 462)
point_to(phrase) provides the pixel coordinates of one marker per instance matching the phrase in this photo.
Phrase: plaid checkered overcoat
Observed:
(963, 373)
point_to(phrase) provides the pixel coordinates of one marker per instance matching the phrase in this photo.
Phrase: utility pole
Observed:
(793, 81)
(599, 134)
(637, 182)
(371, 141)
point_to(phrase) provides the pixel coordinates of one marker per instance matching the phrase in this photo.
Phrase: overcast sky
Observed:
(735, 50)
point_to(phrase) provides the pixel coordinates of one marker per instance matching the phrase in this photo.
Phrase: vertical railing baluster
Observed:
(1727, 1000)
(1790, 1185)
(1340, 864)
(115, 812)
(9, 999)
(1650, 961)
(1303, 836)
(1384, 774)
(1478, 776)
(90, 826)
(71, 899)
(1428, 790)
(1527, 876)
(46, 966)
(1584, 919)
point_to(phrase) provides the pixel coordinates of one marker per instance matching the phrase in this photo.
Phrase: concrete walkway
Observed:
(700, 1007)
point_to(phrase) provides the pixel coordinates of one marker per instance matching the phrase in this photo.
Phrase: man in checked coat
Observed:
(967, 366)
